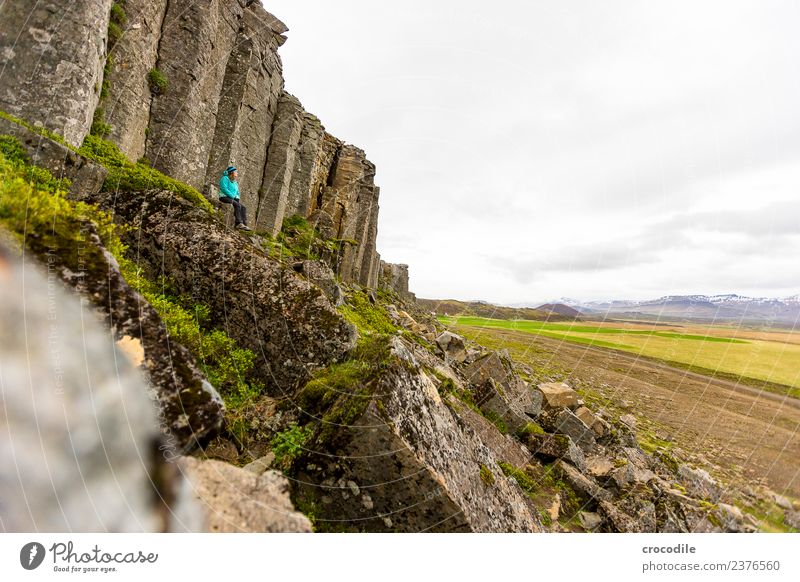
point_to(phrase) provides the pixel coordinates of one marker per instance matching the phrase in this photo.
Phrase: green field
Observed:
(729, 352)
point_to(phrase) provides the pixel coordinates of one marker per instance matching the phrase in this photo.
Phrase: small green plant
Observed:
(116, 23)
(486, 475)
(289, 444)
(106, 86)
(99, 127)
(158, 82)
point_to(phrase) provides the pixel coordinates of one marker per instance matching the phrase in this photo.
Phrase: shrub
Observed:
(116, 23)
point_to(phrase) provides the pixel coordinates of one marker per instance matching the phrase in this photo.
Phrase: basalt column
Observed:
(253, 82)
(127, 106)
(52, 55)
(274, 192)
(196, 40)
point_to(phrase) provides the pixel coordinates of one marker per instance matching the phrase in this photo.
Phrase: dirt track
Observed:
(751, 436)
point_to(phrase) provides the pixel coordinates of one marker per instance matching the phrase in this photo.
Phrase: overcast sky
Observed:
(534, 150)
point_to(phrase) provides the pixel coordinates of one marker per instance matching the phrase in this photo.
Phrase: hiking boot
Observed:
(243, 227)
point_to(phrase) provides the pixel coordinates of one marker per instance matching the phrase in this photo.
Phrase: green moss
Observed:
(650, 443)
(496, 420)
(770, 516)
(529, 429)
(486, 475)
(125, 176)
(339, 394)
(118, 13)
(368, 318)
(526, 482)
(36, 129)
(158, 82)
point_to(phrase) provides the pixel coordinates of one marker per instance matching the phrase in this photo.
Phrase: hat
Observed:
(230, 169)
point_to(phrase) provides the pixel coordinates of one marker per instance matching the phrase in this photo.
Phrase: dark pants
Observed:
(239, 211)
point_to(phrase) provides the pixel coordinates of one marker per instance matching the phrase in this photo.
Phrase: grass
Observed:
(772, 364)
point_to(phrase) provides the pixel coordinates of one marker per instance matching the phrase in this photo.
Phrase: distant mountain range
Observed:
(549, 312)
(719, 308)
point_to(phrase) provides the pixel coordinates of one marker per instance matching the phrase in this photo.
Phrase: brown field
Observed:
(745, 435)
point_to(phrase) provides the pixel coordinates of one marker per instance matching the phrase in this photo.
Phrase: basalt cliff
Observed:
(193, 377)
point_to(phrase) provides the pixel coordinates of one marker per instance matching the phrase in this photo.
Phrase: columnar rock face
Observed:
(273, 195)
(250, 92)
(51, 62)
(367, 237)
(308, 165)
(127, 106)
(196, 40)
(224, 104)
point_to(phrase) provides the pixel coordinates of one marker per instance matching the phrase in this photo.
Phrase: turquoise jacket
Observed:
(228, 187)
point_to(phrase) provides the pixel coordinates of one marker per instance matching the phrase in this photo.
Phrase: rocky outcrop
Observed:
(235, 500)
(406, 463)
(394, 277)
(51, 62)
(266, 306)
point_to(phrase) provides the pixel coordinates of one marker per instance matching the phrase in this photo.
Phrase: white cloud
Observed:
(534, 150)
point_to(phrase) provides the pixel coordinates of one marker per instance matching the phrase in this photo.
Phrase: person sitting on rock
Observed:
(229, 194)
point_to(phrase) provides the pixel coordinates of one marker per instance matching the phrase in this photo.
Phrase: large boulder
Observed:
(564, 421)
(556, 446)
(238, 500)
(500, 391)
(453, 347)
(558, 395)
(405, 462)
(87, 177)
(699, 483)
